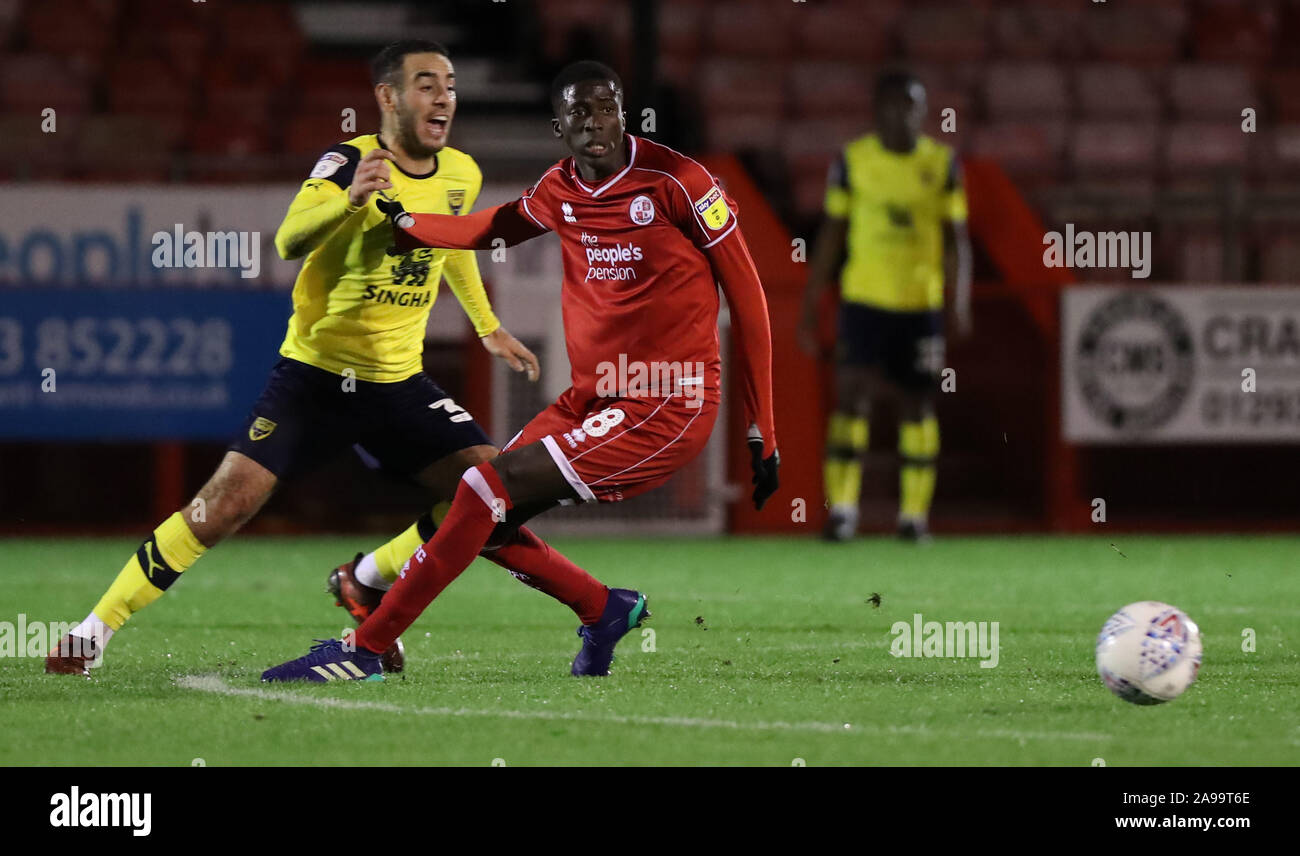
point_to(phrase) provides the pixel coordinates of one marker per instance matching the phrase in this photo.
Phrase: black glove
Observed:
(396, 213)
(765, 479)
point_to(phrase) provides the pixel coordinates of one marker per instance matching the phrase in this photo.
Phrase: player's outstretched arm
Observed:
(735, 272)
(475, 231)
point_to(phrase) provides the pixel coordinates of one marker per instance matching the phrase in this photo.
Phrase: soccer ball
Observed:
(1149, 652)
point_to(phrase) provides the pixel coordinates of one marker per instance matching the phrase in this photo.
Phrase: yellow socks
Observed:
(846, 441)
(388, 559)
(918, 445)
(159, 562)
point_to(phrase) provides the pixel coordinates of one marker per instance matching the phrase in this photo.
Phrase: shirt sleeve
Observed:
(837, 188)
(705, 213)
(513, 222)
(734, 270)
(320, 205)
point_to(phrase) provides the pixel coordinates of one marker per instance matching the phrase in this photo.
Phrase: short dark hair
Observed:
(579, 72)
(389, 60)
(895, 80)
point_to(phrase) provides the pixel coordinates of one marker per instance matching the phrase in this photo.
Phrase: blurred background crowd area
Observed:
(1125, 114)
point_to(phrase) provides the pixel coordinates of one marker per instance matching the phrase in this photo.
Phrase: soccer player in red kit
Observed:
(647, 237)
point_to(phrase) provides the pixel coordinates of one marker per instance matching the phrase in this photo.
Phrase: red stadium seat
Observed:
(1284, 94)
(820, 88)
(1212, 91)
(732, 131)
(738, 85)
(70, 29)
(184, 45)
(223, 149)
(681, 30)
(29, 154)
(307, 135)
(32, 82)
(1279, 254)
(1038, 30)
(1205, 145)
(144, 84)
(126, 148)
(735, 30)
(1102, 149)
(1116, 91)
(1035, 89)
(1278, 153)
(1025, 149)
(846, 31)
(1150, 34)
(943, 32)
(1234, 32)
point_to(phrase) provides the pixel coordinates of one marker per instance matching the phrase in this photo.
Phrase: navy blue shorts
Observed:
(908, 346)
(304, 417)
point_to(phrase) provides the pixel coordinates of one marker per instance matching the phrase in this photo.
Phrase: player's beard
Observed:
(408, 139)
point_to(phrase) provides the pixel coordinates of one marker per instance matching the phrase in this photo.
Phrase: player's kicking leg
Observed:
(610, 455)
(233, 494)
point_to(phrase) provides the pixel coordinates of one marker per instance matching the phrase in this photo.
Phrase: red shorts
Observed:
(613, 449)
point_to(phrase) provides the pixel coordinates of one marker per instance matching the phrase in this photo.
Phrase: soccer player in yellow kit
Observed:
(350, 372)
(895, 203)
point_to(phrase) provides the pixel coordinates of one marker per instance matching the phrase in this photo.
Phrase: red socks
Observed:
(481, 502)
(536, 563)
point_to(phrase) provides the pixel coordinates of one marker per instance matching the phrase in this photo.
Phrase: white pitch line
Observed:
(214, 684)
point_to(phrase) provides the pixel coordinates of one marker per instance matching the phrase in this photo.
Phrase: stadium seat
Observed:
(821, 88)
(1284, 94)
(1107, 149)
(753, 129)
(226, 149)
(31, 82)
(1234, 32)
(1037, 30)
(1030, 150)
(28, 154)
(737, 85)
(1148, 34)
(183, 44)
(1116, 91)
(71, 28)
(307, 135)
(1036, 89)
(942, 32)
(145, 84)
(681, 26)
(1278, 250)
(124, 148)
(1192, 146)
(1278, 153)
(1212, 91)
(849, 32)
(734, 30)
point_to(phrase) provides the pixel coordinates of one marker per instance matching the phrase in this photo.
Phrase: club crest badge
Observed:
(260, 429)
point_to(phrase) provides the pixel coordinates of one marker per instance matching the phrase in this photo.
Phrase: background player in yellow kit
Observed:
(350, 372)
(895, 206)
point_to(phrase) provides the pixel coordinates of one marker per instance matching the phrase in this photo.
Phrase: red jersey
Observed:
(644, 251)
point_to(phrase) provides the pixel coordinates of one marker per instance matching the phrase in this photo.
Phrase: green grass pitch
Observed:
(764, 651)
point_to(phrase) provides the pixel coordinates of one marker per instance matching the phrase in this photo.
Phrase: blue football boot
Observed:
(328, 661)
(625, 610)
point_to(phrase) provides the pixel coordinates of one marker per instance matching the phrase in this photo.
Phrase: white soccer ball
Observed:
(1149, 652)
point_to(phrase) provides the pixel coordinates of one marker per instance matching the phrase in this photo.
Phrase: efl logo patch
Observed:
(328, 165)
(455, 200)
(260, 429)
(713, 208)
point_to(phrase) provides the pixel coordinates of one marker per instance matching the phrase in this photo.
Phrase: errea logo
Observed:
(567, 210)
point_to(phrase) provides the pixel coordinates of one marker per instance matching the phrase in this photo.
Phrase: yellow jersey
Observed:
(895, 205)
(355, 306)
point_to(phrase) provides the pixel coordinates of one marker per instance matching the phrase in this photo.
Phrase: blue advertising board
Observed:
(110, 364)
